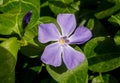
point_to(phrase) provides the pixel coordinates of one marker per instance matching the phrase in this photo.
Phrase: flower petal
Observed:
(52, 55)
(67, 23)
(71, 57)
(48, 32)
(81, 35)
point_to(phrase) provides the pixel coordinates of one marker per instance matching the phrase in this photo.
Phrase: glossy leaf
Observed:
(64, 6)
(1, 2)
(91, 23)
(13, 13)
(104, 79)
(8, 58)
(96, 27)
(11, 45)
(102, 53)
(31, 51)
(33, 48)
(115, 19)
(31, 35)
(47, 19)
(107, 12)
(67, 1)
(117, 39)
(62, 75)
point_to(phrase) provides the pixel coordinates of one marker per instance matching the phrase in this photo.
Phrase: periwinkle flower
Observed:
(61, 50)
(26, 19)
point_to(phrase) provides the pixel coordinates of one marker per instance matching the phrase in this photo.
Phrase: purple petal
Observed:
(48, 32)
(81, 35)
(71, 57)
(67, 23)
(52, 55)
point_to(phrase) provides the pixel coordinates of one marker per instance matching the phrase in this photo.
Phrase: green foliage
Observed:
(20, 50)
(102, 54)
(104, 79)
(117, 39)
(115, 19)
(64, 6)
(8, 58)
(107, 12)
(12, 16)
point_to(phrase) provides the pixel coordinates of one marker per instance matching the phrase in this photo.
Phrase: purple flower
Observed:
(60, 50)
(26, 19)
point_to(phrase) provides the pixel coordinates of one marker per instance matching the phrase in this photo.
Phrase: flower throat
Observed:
(63, 40)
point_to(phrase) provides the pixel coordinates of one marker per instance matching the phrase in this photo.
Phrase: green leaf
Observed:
(91, 23)
(117, 39)
(102, 53)
(62, 75)
(33, 47)
(13, 13)
(31, 50)
(36, 68)
(1, 2)
(64, 6)
(47, 19)
(7, 65)
(66, 1)
(104, 79)
(115, 19)
(107, 12)
(98, 79)
(8, 58)
(5, 1)
(31, 35)
(11, 45)
(96, 27)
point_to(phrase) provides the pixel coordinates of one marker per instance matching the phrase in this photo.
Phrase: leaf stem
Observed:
(101, 78)
(23, 42)
(3, 39)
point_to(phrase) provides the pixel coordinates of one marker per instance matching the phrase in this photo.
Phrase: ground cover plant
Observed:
(59, 41)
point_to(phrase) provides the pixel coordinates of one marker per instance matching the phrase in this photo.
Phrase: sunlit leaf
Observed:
(104, 79)
(8, 58)
(115, 19)
(107, 12)
(102, 54)
(117, 39)
(13, 13)
(33, 48)
(64, 6)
